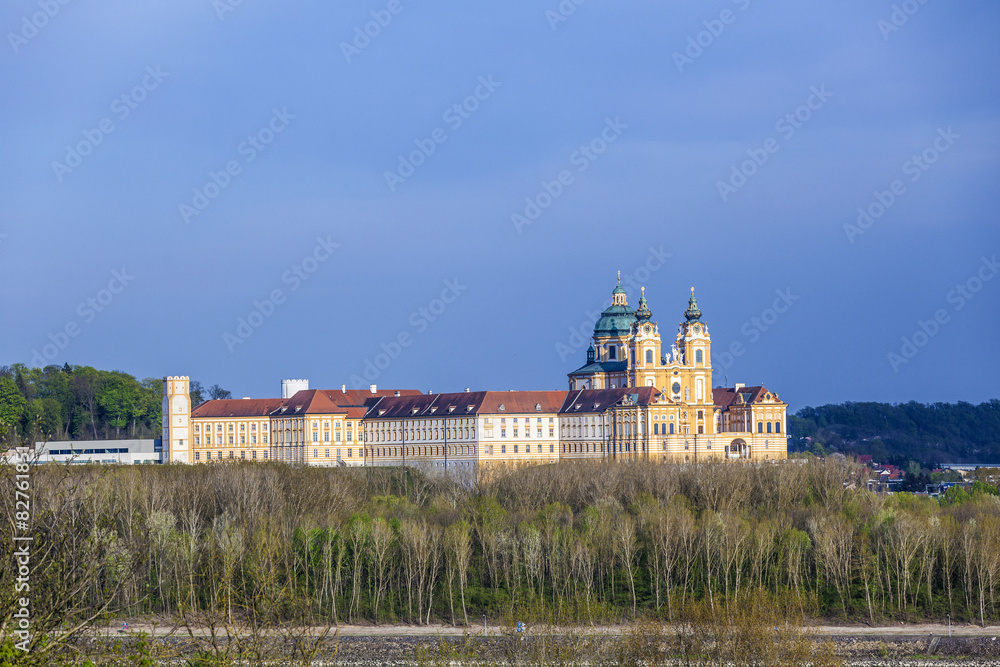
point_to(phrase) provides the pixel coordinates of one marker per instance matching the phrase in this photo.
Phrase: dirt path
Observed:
(163, 630)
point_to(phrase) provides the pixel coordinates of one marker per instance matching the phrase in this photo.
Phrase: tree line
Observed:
(272, 545)
(932, 433)
(83, 403)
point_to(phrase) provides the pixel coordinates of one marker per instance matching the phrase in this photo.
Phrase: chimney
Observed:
(466, 390)
(343, 389)
(738, 386)
(397, 393)
(373, 389)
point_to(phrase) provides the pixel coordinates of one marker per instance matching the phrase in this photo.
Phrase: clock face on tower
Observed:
(648, 328)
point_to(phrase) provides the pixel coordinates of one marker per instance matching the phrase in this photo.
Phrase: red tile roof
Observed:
(599, 400)
(726, 396)
(236, 407)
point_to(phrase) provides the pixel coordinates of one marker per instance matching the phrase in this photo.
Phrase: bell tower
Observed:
(177, 418)
(645, 342)
(691, 378)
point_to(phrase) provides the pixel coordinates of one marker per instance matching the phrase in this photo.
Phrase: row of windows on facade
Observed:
(456, 450)
(612, 354)
(383, 434)
(218, 427)
(253, 455)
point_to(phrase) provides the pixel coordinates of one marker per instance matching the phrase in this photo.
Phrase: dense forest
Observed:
(82, 403)
(269, 544)
(934, 433)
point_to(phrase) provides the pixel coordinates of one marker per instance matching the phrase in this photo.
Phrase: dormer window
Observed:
(501, 408)
(538, 407)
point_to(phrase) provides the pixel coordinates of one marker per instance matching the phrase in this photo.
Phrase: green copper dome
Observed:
(693, 313)
(642, 313)
(615, 321)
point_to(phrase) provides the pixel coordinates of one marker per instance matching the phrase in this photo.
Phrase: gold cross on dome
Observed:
(619, 277)
(643, 290)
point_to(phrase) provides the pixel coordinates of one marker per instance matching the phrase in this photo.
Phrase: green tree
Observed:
(12, 404)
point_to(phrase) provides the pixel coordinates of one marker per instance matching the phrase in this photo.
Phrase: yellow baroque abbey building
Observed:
(632, 399)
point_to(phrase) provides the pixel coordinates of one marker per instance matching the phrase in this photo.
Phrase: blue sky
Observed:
(456, 190)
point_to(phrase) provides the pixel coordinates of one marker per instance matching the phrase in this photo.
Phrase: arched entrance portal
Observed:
(738, 449)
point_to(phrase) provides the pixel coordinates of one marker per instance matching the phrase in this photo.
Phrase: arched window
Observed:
(768, 427)
(760, 427)
(777, 427)
(671, 428)
(649, 356)
(656, 429)
(697, 356)
(611, 352)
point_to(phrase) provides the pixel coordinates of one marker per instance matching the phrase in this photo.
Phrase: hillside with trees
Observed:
(83, 403)
(933, 433)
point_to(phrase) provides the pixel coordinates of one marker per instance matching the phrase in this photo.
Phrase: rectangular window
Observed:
(243, 440)
(503, 449)
(349, 452)
(552, 432)
(527, 449)
(338, 453)
(230, 428)
(315, 453)
(253, 440)
(243, 456)
(196, 428)
(326, 453)
(515, 449)
(243, 427)
(208, 455)
(265, 455)
(552, 449)
(196, 440)
(253, 455)
(197, 456)
(503, 433)
(264, 440)
(515, 432)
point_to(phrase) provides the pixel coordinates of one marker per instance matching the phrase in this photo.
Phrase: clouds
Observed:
(657, 186)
